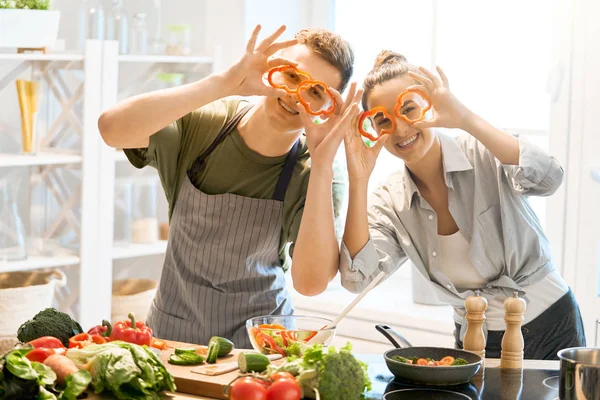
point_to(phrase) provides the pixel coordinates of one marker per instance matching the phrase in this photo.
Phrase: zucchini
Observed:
(186, 359)
(213, 351)
(225, 345)
(253, 362)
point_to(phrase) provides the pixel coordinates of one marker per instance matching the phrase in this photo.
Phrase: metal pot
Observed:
(579, 373)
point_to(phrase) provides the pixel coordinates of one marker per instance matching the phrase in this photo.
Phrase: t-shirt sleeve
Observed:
(174, 148)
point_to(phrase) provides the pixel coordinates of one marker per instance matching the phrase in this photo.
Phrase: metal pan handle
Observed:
(394, 337)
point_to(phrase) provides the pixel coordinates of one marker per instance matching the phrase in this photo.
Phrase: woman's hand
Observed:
(360, 159)
(245, 78)
(323, 140)
(448, 111)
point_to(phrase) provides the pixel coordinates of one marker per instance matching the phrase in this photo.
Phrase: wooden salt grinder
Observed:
(512, 342)
(474, 340)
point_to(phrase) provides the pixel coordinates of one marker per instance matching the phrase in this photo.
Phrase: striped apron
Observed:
(222, 264)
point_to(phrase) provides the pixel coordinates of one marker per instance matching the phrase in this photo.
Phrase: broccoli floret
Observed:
(49, 322)
(341, 376)
(460, 361)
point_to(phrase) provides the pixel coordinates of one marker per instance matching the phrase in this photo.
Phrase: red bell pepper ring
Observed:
(103, 330)
(372, 112)
(312, 335)
(283, 337)
(132, 332)
(49, 342)
(83, 339)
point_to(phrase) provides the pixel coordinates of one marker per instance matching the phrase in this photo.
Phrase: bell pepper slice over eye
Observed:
(103, 330)
(132, 331)
(306, 84)
(400, 103)
(47, 342)
(273, 71)
(372, 113)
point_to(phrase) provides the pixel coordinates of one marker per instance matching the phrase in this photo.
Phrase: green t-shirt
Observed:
(231, 168)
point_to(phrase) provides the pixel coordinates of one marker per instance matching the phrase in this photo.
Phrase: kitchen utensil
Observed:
(579, 373)
(219, 369)
(427, 375)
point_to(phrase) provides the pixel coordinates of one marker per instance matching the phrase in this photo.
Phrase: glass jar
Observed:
(12, 233)
(91, 22)
(117, 26)
(169, 80)
(145, 221)
(123, 219)
(179, 40)
(139, 34)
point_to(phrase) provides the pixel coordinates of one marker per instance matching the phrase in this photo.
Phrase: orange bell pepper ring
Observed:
(372, 112)
(400, 103)
(83, 339)
(304, 84)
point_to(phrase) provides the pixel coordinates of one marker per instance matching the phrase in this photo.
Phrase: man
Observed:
(236, 178)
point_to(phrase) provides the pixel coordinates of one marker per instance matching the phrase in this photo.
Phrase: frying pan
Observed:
(426, 375)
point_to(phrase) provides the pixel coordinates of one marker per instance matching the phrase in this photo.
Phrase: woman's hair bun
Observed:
(389, 57)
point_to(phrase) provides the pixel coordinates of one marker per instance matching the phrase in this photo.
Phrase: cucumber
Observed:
(186, 359)
(253, 362)
(181, 351)
(213, 351)
(225, 345)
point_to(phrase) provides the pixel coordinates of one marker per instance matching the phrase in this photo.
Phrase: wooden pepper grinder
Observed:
(474, 340)
(512, 342)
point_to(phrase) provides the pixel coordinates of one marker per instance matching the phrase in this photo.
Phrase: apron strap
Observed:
(200, 162)
(287, 172)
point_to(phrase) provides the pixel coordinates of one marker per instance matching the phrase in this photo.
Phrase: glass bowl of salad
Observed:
(288, 335)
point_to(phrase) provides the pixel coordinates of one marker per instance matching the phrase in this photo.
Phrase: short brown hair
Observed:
(335, 50)
(388, 65)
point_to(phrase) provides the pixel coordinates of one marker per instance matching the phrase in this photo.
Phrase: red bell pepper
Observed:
(84, 339)
(263, 339)
(49, 342)
(132, 332)
(103, 330)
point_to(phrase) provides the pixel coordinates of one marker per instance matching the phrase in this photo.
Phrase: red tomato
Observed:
(40, 354)
(281, 375)
(284, 389)
(247, 389)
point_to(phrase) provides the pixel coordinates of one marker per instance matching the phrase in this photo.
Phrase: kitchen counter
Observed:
(381, 376)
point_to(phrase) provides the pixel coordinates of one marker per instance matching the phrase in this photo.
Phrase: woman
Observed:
(458, 210)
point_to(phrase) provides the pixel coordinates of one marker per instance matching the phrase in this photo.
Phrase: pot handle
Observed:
(394, 337)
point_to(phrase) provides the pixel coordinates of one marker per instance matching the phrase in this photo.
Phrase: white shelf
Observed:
(43, 158)
(35, 262)
(41, 57)
(139, 250)
(165, 59)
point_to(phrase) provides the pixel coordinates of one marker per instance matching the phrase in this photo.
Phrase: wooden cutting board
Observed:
(197, 384)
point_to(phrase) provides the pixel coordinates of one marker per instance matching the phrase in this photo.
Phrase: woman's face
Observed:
(406, 142)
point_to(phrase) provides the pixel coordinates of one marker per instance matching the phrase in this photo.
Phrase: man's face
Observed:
(282, 110)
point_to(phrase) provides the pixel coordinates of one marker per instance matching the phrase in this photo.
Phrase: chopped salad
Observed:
(276, 339)
(444, 362)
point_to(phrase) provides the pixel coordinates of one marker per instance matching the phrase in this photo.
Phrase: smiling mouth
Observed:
(287, 108)
(408, 142)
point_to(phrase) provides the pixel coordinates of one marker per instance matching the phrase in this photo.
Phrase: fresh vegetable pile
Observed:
(116, 359)
(318, 374)
(276, 339)
(429, 362)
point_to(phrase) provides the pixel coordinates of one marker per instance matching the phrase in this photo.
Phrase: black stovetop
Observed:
(490, 383)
